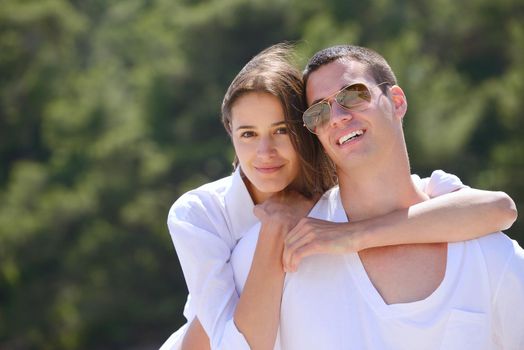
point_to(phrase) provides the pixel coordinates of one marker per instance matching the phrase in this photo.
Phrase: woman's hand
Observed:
(313, 236)
(285, 208)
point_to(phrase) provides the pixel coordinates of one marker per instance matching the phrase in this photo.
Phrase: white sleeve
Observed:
(508, 303)
(174, 342)
(441, 183)
(203, 245)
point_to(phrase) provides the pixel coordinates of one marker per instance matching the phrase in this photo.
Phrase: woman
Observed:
(236, 300)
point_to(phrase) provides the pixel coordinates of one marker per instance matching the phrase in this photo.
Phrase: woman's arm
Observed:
(457, 216)
(195, 337)
(461, 215)
(257, 315)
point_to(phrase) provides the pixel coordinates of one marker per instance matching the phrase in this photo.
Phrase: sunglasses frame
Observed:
(325, 101)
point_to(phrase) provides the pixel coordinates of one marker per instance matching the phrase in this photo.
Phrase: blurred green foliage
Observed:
(109, 110)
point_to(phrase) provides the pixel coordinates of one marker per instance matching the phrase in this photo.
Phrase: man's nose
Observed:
(338, 114)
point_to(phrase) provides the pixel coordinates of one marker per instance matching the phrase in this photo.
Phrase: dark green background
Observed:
(109, 110)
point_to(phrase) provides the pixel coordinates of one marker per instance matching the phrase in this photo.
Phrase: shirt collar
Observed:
(329, 207)
(239, 206)
(339, 213)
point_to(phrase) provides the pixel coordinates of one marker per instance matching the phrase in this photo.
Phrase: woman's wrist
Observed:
(362, 235)
(275, 227)
(271, 239)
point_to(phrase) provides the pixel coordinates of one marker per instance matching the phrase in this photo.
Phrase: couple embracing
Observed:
(322, 239)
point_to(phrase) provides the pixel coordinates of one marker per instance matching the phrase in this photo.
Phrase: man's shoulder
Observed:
(438, 183)
(502, 255)
(498, 246)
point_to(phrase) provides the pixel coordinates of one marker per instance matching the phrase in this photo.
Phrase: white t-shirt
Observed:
(330, 302)
(206, 224)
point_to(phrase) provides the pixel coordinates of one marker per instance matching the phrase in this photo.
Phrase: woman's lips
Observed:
(268, 169)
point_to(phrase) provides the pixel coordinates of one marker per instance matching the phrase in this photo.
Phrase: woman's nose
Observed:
(266, 146)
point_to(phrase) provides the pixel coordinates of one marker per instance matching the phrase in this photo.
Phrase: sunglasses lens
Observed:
(355, 97)
(316, 115)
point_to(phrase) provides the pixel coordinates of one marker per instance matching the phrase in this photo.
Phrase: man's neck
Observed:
(371, 191)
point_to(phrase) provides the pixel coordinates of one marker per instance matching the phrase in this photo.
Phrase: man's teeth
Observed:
(350, 136)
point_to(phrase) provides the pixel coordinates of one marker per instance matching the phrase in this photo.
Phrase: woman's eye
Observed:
(247, 134)
(282, 130)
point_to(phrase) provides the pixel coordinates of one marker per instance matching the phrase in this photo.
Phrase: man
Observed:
(467, 295)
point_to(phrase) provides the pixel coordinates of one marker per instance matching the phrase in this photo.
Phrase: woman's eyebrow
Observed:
(240, 127)
(279, 123)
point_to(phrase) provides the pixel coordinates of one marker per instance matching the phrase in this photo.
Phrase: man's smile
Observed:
(350, 136)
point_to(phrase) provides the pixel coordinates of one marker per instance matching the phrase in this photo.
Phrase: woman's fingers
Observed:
(313, 236)
(303, 240)
(299, 237)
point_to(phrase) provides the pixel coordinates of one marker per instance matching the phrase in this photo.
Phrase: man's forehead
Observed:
(333, 76)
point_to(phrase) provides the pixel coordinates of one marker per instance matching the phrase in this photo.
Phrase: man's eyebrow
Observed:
(324, 98)
(333, 94)
(318, 100)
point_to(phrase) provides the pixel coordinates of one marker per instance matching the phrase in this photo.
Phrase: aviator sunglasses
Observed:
(354, 97)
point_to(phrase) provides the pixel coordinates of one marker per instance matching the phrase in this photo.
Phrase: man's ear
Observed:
(399, 101)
